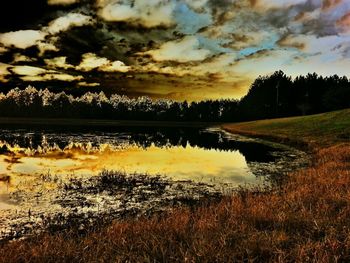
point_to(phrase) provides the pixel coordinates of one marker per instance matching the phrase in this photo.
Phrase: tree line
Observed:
(276, 95)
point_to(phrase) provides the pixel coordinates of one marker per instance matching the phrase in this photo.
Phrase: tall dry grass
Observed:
(305, 220)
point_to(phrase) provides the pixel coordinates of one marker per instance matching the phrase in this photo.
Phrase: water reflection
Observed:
(181, 154)
(205, 155)
(143, 137)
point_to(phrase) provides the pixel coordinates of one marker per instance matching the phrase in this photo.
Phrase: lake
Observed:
(36, 163)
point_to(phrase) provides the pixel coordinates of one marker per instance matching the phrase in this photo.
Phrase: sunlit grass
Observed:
(314, 131)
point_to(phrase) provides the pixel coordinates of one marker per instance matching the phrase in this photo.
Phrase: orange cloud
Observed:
(344, 21)
(328, 4)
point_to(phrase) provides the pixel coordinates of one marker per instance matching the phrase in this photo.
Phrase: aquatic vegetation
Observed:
(86, 202)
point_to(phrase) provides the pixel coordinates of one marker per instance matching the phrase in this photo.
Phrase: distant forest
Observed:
(271, 96)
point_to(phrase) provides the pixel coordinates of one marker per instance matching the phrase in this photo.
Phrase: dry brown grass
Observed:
(306, 220)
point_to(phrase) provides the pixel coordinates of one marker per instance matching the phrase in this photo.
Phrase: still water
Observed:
(49, 176)
(201, 155)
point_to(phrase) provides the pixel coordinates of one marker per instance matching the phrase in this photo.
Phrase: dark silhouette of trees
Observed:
(43, 103)
(269, 96)
(277, 95)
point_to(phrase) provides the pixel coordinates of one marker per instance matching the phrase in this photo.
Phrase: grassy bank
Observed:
(313, 132)
(305, 220)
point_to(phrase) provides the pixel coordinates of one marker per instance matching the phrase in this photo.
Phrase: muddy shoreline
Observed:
(84, 203)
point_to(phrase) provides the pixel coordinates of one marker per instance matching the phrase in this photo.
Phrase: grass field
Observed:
(307, 219)
(314, 131)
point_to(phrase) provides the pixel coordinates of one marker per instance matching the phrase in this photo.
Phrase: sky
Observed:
(177, 49)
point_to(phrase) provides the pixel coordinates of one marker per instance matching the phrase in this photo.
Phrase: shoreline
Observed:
(298, 144)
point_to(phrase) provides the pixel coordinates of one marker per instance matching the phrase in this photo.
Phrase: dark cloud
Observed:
(77, 41)
(222, 4)
(18, 14)
(9, 56)
(25, 14)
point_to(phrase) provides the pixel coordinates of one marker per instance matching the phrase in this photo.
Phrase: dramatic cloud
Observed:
(184, 50)
(27, 70)
(28, 73)
(22, 58)
(149, 13)
(180, 49)
(91, 61)
(58, 62)
(27, 38)
(65, 22)
(313, 45)
(22, 38)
